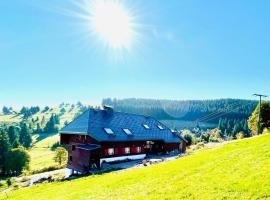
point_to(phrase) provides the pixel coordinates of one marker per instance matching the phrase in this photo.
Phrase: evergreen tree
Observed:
(4, 147)
(51, 126)
(38, 128)
(5, 110)
(13, 134)
(25, 136)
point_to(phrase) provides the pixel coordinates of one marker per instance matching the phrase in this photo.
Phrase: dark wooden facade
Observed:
(83, 160)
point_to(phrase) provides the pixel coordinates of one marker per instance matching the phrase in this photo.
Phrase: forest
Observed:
(190, 110)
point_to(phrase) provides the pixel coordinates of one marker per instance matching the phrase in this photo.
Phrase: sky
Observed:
(181, 49)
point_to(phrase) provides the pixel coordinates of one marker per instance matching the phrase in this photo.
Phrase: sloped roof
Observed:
(92, 122)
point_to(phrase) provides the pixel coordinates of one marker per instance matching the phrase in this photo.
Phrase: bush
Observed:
(10, 181)
(189, 137)
(2, 183)
(214, 139)
(240, 135)
(17, 160)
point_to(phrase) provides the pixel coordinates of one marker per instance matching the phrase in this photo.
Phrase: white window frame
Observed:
(110, 151)
(127, 150)
(146, 126)
(127, 131)
(108, 131)
(139, 149)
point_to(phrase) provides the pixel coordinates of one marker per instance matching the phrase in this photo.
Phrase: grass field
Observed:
(41, 152)
(238, 170)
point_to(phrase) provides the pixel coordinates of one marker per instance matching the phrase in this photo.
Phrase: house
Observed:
(100, 135)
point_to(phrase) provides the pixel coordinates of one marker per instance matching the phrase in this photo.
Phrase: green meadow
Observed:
(237, 170)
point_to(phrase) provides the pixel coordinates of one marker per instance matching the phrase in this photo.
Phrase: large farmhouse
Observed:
(105, 135)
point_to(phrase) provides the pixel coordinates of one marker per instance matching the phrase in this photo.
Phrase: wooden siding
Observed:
(83, 159)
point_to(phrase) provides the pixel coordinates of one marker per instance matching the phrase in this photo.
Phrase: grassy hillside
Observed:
(41, 152)
(238, 170)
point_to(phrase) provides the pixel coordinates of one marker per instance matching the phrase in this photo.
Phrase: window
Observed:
(108, 131)
(127, 150)
(73, 147)
(146, 126)
(127, 131)
(111, 151)
(70, 158)
(160, 127)
(139, 149)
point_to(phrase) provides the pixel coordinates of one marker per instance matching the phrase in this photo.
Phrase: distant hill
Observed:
(189, 110)
(238, 170)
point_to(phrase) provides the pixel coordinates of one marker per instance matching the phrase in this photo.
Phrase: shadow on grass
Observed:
(42, 136)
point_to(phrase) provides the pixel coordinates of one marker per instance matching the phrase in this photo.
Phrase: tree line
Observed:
(184, 110)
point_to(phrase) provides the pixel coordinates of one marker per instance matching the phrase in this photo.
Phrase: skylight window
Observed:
(160, 127)
(146, 126)
(127, 131)
(108, 131)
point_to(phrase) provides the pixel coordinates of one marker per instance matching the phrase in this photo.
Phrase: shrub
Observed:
(10, 181)
(17, 160)
(189, 137)
(213, 139)
(60, 155)
(240, 135)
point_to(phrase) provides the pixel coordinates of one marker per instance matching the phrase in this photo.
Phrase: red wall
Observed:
(81, 158)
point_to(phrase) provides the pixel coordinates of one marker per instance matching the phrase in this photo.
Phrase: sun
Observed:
(112, 23)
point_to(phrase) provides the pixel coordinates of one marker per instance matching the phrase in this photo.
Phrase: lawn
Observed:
(41, 152)
(238, 170)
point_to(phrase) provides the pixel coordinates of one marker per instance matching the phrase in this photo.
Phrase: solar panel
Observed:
(108, 131)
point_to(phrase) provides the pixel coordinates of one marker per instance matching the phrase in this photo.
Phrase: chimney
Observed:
(108, 109)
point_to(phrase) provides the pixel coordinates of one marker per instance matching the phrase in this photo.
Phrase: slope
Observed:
(238, 170)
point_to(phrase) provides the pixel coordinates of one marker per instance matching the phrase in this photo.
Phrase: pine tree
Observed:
(51, 126)
(38, 128)
(13, 134)
(25, 136)
(5, 110)
(4, 147)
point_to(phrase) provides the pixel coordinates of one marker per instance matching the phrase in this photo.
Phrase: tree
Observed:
(46, 109)
(6, 110)
(25, 136)
(264, 120)
(52, 124)
(38, 128)
(188, 136)
(13, 134)
(4, 147)
(18, 160)
(60, 155)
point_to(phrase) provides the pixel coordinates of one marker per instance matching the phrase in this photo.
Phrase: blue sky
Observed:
(186, 49)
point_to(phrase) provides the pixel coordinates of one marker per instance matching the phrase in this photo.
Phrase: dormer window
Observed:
(108, 131)
(127, 131)
(146, 126)
(160, 127)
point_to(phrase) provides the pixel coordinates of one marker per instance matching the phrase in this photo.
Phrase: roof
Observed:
(92, 122)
